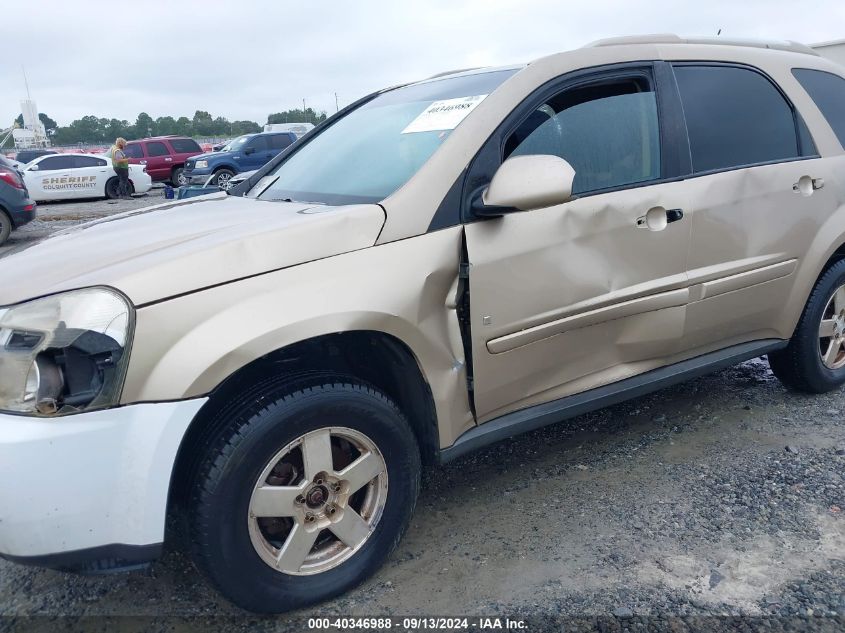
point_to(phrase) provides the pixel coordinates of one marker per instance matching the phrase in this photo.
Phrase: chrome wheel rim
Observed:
(318, 501)
(832, 331)
(223, 181)
(181, 179)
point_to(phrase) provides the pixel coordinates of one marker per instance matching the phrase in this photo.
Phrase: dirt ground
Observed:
(721, 496)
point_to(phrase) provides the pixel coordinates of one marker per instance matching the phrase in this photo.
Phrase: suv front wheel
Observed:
(300, 499)
(814, 360)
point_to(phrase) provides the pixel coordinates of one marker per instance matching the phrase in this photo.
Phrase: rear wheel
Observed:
(814, 360)
(112, 190)
(222, 178)
(300, 499)
(5, 227)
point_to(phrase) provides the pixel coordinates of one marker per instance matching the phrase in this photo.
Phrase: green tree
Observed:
(144, 126)
(244, 127)
(49, 124)
(309, 115)
(166, 125)
(184, 126)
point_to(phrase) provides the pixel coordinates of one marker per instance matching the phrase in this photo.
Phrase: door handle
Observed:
(168, 159)
(807, 185)
(657, 218)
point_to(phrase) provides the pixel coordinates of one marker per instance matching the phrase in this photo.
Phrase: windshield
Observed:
(372, 151)
(236, 144)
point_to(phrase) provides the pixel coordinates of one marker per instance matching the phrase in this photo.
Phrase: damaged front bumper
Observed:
(88, 492)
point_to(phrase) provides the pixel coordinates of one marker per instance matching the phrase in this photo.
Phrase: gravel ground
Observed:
(719, 502)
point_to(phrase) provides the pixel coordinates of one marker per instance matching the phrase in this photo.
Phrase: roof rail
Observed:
(669, 38)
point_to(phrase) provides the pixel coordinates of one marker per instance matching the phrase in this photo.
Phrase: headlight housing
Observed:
(65, 353)
(201, 164)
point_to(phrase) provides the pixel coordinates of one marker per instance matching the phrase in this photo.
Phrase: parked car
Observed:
(16, 207)
(164, 156)
(26, 155)
(245, 153)
(440, 266)
(64, 176)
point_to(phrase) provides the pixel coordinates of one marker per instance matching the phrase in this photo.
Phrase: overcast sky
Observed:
(243, 60)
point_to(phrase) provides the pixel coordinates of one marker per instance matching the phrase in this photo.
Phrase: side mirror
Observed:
(523, 183)
(34, 167)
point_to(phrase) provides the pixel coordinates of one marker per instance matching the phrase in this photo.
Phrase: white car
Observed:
(63, 176)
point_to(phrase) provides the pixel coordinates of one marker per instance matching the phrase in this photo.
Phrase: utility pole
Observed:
(336, 105)
(303, 110)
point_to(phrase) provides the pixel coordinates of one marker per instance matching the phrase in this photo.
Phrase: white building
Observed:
(834, 51)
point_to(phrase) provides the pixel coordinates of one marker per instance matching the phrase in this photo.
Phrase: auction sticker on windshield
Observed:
(444, 115)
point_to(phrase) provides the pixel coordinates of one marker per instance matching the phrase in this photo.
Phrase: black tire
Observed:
(799, 366)
(5, 227)
(177, 177)
(112, 191)
(233, 460)
(221, 178)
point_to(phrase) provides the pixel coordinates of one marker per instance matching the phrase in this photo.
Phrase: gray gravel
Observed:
(722, 499)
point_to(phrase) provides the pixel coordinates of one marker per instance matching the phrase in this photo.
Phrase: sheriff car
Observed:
(62, 176)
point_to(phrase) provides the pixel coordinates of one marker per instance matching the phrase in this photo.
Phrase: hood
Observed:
(170, 249)
(208, 155)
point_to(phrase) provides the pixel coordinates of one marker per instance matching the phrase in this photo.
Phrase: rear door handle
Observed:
(807, 185)
(673, 215)
(657, 218)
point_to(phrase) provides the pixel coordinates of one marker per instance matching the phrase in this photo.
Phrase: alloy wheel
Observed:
(832, 331)
(317, 501)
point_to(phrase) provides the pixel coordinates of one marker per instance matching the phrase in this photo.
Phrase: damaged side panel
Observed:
(408, 289)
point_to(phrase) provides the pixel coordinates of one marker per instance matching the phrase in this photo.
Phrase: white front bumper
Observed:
(88, 480)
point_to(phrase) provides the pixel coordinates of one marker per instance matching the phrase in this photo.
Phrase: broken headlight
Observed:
(64, 353)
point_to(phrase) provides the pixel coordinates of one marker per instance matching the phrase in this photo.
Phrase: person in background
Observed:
(120, 164)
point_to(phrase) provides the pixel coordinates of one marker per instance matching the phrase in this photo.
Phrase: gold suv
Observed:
(437, 267)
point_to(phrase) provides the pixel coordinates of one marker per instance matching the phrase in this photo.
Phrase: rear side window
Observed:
(184, 145)
(280, 141)
(608, 132)
(258, 143)
(88, 161)
(735, 117)
(828, 92)
(157, 149)
(134, 151)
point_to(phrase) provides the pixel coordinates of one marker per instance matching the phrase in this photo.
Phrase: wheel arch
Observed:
(368, 356)
(822, 254)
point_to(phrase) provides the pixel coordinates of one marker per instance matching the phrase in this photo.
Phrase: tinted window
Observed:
(735, 117)
(134, 151)
(184, 145)
(259, 144)
(828, 92)
(279, 141)
(88, 161)
(608, 133)
(56, 162)
(156, 148)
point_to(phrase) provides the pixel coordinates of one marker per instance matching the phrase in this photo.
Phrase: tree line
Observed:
(94, 130)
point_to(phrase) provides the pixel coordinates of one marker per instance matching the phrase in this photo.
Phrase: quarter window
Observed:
(88, 161)
(608, 132)
(828, 92)
(157, 149)
(735, 117)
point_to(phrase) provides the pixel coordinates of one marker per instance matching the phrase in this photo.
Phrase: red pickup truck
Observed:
(164, 156)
